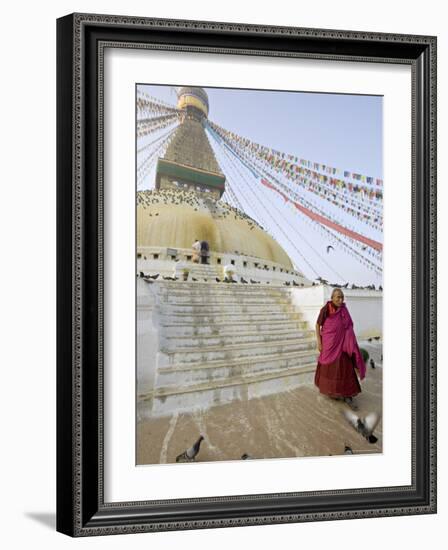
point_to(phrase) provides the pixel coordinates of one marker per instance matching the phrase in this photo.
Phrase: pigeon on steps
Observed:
(190, 454)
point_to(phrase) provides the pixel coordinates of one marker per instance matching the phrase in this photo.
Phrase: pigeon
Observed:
(141, 274)
(246, 456)
(154, 276)
(372, 363)
(218, 280)
(193, 279)
(243, 280)
(190, 454)
(365, 426)
(370, 423)
(287, 283)
(376, 337)
(329, 247)
(369, 339)
(345, 286)
(348, 450)
(294, 283)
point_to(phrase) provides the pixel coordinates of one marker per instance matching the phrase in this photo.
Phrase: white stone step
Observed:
(200, 276)
(202, 269)
(224, 328)
(240, 387)
(181, 375)
(186, 287)
(206, 341)
(236, 351)
(212, 299)
(192, 318)
(218, 301)
(228, 309)
(174, 287)
(233, 378)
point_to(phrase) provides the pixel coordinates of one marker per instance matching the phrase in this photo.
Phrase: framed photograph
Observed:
(246, 274)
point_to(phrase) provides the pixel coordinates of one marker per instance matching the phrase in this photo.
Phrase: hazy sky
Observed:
(343, 131)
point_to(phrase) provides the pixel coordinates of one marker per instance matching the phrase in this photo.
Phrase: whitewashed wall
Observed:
(147, 338)
(365, 307)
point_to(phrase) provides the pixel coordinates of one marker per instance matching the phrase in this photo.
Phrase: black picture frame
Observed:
(81, 510)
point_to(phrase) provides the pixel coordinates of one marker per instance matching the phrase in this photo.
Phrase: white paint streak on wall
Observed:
(166, 441)
(199, 419)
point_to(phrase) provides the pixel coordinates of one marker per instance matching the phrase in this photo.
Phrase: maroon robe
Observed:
(336, 379)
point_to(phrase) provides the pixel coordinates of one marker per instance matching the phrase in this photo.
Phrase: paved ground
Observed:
(299, 422)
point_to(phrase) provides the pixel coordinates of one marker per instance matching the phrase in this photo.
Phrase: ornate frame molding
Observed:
(81, 42)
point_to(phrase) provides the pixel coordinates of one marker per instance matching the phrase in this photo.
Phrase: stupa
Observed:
(186, 206)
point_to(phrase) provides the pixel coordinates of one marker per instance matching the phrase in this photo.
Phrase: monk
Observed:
(340, 358)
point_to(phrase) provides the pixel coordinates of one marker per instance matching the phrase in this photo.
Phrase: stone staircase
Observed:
(222, 342)
(203, 271)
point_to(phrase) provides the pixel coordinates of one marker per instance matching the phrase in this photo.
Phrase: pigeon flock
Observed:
(183, 197)
(149, 199)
